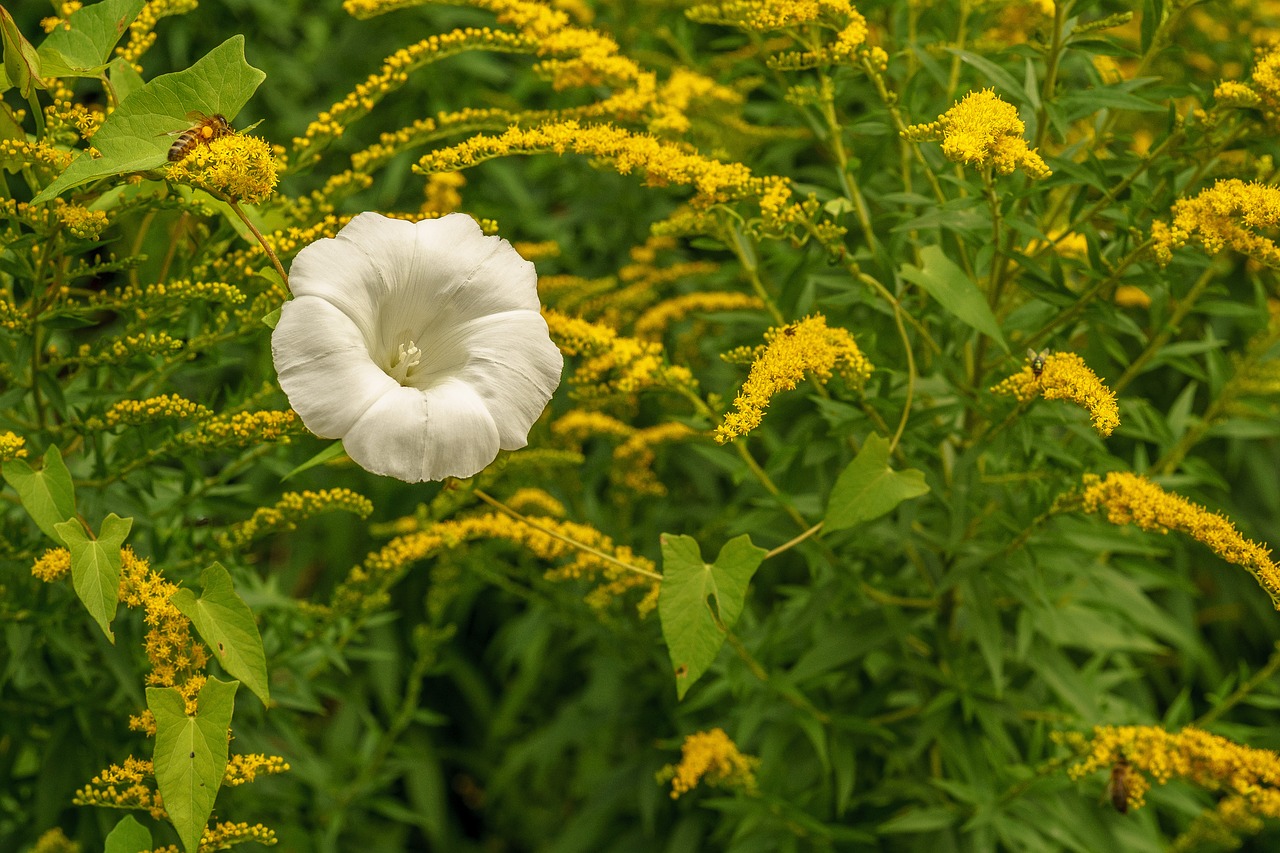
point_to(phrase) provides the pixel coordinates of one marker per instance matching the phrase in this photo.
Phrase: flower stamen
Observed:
(405, 360)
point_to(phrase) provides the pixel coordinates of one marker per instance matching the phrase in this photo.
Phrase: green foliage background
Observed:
(916, 666)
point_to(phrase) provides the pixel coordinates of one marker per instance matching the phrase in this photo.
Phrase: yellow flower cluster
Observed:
(1131, 499)
(1230, 213)
(633, 458)
(10, 317)
(119, 350)
(176, 657)
(541, 250)
(713, 759)
(16, 154)
(530, 501)
(365, 589)
(442, 196)
(798, 16)
(285, 243)
(292, 508)
(678, 97)
(123, 787)
(142, 31)
(1263, 89)
(809, 346)
(613, 364)
(234, 168)
(79, 220)
(663, 163)
(1251, 777)
(393, 74)
(55, 841)
(653, 323)
(1131, 296)
(12, 446)
(178, 293)
(242, 769)
(244, 429)
(982, 130)
(52, 565)
(60, 20)
(1065, 376)
(164, 407)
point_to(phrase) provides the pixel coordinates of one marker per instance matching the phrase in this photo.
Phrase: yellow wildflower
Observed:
(123, 787)
(1065, 376)
(1262, 91)
(177, 658)
(710, 758)
(142, 31)
(612, 363)
(1130, 296)
(55, 840)
(1132, 499)
(1230, 213)
(534, 502)
(982, 130)
(53, 564)
(807, 346)
(245, 768)
(653, 323)
(292, 508)
(234, 167)
(12, 446)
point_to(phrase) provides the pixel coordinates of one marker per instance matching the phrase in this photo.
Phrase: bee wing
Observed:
(197, 115)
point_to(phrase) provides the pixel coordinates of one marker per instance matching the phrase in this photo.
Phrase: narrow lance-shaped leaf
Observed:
(47, 495)
(190, 758)
(226, 624)
(699, 602)
(134, 137)
(869, 488)
(955, 291)
(95, 566)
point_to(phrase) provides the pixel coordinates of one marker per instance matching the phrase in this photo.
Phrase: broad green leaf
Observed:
(95, 566)
(226, 625)
(134, 137)
(129, 836)
(84, 49)
(190, 758)
(954, 290)
(700, 602)
(47, 495)
(869, 488)
(21, 60)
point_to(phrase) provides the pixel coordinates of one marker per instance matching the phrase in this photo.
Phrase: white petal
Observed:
(415, 436)
(345, 274)
(514, 367)
(324, 367)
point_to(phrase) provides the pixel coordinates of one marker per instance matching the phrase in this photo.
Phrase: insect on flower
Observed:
(1037, 361)
(206, 129)
(1118, 785)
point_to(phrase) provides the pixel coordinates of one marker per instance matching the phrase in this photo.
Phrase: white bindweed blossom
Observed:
(419, 344)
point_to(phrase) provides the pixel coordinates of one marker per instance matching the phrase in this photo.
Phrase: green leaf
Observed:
(997, 75)
(21, 60)
(84, 49)
(333, 451)
(954, 290)
(47, 495)
(95, 566)
(869, 488)
(135, 138)
(693, 626)
(190, 758)
(272, 319)
(226, 625)
(129, 836)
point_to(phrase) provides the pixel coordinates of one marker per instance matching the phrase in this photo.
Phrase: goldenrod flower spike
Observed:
(1230, 213)
(235, 168)
(982, 130)
(1132, 499)
(711, 758)
(807, 346)
(1065, 376)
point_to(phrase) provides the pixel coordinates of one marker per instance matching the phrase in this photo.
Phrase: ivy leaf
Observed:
(190, 758)
(128, 836)
(47, 495)
(869, 488)
(954, 290)
(84, 48)
(134, 137)
(226, 625)
(95, 566)
(699, 603)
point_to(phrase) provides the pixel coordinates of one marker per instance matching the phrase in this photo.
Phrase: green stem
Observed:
(1240, 693)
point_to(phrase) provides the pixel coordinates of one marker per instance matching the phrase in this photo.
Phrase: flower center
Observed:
(404, 361)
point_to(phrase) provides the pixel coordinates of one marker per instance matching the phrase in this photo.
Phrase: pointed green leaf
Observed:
(869, 488)
(226, 625)
(331, 452)
(699, 603)
(21, 60)
(84, 48)
(954, 290)
(95, 566)
(129, 836)
(47, 495)
(190, 758)
(134, 137)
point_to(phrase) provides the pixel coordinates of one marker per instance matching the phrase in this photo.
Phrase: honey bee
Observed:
(206, 129)
(1118, 785)
(1037, 360)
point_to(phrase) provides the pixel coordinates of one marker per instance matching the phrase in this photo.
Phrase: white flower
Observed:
(418, 344)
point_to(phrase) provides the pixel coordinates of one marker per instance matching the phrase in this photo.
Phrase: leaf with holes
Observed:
(227, 626)
(699, 602)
